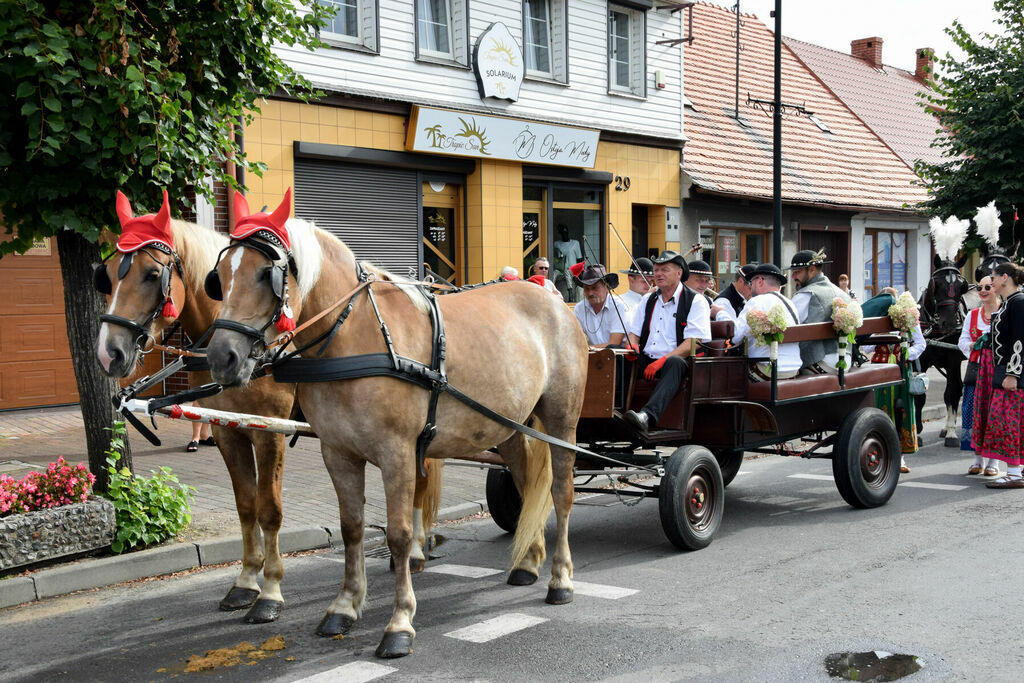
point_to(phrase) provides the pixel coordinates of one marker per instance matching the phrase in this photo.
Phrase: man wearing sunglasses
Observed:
(542, 267)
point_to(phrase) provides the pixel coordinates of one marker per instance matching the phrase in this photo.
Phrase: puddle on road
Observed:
(871, 666)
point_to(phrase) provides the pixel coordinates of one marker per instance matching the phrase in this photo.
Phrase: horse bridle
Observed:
(101, 281)
(270, 248)
(955, 292)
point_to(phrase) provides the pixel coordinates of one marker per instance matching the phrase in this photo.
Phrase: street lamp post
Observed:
(777, 141)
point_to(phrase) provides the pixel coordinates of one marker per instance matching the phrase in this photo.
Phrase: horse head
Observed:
(145, 284)
(942, 303)
(253, 278)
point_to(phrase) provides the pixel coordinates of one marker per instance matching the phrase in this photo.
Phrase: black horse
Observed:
(943, 310)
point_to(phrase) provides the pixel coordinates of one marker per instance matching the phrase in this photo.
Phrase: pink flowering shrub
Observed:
(60, 484)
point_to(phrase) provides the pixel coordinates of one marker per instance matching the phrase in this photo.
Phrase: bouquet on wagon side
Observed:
(847, 316)
(904, 314)
(768, 327)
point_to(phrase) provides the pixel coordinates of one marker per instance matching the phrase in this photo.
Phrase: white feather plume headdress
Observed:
(948, 236)
(987, 222)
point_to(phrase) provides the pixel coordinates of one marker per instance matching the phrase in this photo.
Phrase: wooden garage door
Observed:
(35, 362)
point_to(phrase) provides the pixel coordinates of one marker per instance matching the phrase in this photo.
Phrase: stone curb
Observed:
(92, 573)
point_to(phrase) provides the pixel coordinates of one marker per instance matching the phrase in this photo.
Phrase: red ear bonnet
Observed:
(153, 228)
(247, 224)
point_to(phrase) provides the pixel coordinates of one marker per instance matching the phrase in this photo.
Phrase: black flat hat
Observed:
(669, 256)
(645, 267)
(806, 257)
(770, 270)
(699, 267)
(596, 273)
(746, 272)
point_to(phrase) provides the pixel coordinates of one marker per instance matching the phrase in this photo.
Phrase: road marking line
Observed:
(925, 485)
(820, 477)
(356, 672)
(463, 570)
(495, 628)
(597, 590)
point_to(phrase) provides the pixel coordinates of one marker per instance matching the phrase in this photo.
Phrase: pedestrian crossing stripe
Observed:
(597, 590)
(497, 627)
(355, 672)
(926, 485)
(819, 477)
(462, 570)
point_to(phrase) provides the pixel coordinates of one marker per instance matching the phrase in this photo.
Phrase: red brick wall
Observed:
(868, 49)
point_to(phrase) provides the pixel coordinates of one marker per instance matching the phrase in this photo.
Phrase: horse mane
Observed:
(412, 290)
(198, 247)
(309, 255)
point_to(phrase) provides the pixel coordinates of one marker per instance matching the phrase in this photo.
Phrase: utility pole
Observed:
(777, 141)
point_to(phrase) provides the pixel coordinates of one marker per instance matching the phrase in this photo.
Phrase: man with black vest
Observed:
(730, 301)
(664, 328)
(813, 304)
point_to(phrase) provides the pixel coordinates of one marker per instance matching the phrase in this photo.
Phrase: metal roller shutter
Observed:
(375, 211)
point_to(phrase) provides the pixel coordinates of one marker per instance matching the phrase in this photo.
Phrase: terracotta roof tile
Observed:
(848, 167)
(886, 99)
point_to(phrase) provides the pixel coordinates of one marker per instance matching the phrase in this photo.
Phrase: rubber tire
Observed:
(729, 462)
(503, 500)
(691, 466)
(864, 425)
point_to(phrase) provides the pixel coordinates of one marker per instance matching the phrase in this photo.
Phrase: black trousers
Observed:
(669, 378)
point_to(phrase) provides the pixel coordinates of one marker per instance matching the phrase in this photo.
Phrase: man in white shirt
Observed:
(669, 321)
(542, 268)
(765, 284)
(601, 314)
(640, 276)
(730, 301)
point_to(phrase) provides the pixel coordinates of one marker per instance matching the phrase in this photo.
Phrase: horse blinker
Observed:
(277, 275)
(212, 287)
(101, 280)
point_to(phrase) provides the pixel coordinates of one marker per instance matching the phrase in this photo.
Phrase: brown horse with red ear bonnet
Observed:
(157, 271)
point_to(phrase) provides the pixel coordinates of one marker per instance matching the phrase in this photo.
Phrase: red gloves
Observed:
(633, 351)
(653, 368)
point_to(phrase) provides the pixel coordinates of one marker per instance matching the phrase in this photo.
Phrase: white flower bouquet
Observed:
(846, 318)
(768, 327)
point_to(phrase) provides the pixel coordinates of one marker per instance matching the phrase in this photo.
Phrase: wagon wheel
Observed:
(503, 501)
(691, 498)
(866, 458)
(730, 463)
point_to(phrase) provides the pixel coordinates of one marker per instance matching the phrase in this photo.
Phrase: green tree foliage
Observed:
(979, 101)
(141, 96)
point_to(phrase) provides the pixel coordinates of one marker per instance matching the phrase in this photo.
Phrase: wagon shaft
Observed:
(223, 418)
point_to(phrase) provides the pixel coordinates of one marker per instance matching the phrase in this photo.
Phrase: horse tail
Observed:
(431, 493)
(536, 495)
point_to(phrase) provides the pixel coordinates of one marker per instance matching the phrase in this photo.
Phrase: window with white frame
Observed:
(354, 24)
(441, 31)
(544, 39)
(626, 50)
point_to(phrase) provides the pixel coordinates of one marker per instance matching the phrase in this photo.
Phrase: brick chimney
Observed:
(868, 49)
(924, 71)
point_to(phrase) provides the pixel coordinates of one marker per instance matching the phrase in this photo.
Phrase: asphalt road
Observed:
(794, 575)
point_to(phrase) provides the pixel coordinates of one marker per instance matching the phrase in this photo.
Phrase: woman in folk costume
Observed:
(974, 341)
(997, 434)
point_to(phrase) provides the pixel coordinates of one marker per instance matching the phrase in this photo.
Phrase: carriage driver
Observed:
(814, 305)
(601, 314)
(663, 327)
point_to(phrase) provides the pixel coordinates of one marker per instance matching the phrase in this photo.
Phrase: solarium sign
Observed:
(498, 63)
(455, 133)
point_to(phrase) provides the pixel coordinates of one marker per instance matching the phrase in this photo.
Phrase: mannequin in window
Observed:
(567, 253)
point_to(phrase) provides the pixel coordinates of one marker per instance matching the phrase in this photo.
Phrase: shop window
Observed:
(442, 230)
(441, 31)
(885, 261)
(726, 249)
(544, 39)
(562, 224)
(626, 51)
(354, 24)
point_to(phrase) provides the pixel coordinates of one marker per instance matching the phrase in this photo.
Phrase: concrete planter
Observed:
(32, 537)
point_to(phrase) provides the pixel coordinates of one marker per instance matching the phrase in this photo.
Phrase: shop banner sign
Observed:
(456, 133)
(498, 64)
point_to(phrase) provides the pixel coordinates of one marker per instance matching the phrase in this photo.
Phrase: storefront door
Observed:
(442, 230)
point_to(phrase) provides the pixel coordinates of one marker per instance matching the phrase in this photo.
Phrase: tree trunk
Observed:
(82, 307)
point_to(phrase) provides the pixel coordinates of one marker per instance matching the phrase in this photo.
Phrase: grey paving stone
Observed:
(105, 571)
(17, 590)
(308, 538)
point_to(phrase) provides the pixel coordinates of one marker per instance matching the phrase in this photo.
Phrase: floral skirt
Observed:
(1003, 439)
(982, 401)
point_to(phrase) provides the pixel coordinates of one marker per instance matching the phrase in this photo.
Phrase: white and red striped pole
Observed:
(222, 418)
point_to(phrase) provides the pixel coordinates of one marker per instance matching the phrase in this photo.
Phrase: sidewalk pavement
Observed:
(31, 439)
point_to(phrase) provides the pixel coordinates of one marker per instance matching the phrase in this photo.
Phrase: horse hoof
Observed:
(416, 565)
(238, 598)
(558, 596)
(521, 577)
(334, 625)
(264, 612)
(952, 442)
(395, 644)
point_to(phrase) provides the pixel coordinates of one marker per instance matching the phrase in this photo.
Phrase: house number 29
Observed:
(622, 183)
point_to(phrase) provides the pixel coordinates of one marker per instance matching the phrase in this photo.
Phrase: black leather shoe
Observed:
(638, 420)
